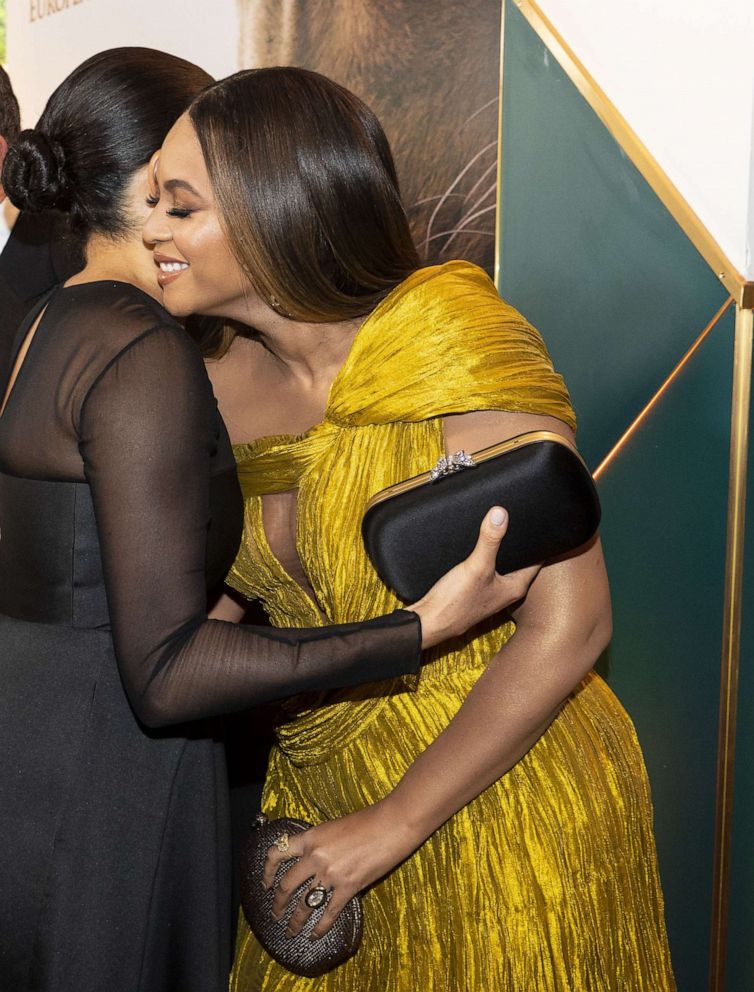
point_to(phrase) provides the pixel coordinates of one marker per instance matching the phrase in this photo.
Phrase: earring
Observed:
(278, 307)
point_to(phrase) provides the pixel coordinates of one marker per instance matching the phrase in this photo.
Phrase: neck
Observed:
(309, 352)
(124, 260)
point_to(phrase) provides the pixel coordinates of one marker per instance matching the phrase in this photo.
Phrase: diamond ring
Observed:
(316, 897)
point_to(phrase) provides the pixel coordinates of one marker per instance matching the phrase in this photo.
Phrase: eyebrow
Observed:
(173, 184)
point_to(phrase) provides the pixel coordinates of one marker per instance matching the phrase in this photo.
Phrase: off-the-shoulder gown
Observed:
(547, 881)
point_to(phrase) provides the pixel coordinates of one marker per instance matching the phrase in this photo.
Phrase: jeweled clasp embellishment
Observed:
(449, 464)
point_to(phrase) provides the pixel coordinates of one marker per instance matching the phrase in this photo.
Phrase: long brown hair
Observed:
(307, 190)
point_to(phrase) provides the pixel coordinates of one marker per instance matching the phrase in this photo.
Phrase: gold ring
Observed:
(282, 843)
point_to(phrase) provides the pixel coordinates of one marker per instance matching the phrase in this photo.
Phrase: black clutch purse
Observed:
(419, 529)
(299, 954)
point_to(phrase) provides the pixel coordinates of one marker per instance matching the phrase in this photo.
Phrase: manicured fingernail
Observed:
(498, 516)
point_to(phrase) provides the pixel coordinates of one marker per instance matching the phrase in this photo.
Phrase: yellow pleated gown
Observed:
(547, 882)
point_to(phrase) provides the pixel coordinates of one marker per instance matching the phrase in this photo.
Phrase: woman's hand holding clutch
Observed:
(343, 856)
(473, 590)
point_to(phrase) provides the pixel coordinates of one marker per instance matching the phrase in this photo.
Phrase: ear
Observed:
(154, 186)
(3, 150)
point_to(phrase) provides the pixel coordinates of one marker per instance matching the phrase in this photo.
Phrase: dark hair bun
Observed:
(34, 173)
(98, 129)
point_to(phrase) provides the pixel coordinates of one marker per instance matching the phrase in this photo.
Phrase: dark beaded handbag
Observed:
(419, 529)
(299, 954)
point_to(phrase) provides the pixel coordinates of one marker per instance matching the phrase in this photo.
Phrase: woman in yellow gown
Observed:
(497, 810)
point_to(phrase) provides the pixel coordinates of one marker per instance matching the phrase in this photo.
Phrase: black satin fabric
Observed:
(119, 507)
(416, 536)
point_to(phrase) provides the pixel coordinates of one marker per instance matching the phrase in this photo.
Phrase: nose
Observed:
(155, 229)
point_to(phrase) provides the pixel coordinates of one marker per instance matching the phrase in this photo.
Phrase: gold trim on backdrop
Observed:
(734, 559)
(499, 194)
(641, 417)
(738, 287)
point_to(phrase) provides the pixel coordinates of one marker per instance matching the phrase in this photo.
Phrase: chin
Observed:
(176, 311)
(176, 307)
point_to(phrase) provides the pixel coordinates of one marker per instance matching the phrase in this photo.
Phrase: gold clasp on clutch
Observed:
(449, 464)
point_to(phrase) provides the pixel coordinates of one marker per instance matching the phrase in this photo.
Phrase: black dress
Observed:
(119, 505)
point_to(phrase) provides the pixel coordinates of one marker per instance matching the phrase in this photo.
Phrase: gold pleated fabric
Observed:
(547, 882)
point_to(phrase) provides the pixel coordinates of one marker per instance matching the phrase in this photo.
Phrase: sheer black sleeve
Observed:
(146, 437)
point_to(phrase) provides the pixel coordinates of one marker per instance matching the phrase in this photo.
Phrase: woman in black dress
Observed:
(119, 509)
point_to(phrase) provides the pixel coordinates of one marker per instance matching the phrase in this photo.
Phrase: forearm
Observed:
(520, 693)
(222, 667)
(227, 608)
(504, 715)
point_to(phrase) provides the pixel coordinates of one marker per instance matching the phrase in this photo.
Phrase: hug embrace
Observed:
(462, 767)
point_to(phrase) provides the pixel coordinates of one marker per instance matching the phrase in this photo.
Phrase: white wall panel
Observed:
(682, 74)
(46, 39)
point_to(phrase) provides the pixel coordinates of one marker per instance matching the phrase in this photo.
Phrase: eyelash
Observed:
(152, 201)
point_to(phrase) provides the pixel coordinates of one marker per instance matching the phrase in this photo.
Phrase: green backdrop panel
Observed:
(664, 503)
(587, 251)
(741, 909)
(593, 258)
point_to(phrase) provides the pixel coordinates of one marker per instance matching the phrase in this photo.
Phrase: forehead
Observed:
(181, 153)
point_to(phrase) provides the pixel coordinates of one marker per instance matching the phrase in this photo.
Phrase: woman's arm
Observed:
(227, 608)
(563, 625)
(146, 435)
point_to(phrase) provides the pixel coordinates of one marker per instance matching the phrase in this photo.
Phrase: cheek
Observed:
(215, 279)
(206, 250)
(222, 268)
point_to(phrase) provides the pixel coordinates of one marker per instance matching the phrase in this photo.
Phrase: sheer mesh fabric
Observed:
(113, 393)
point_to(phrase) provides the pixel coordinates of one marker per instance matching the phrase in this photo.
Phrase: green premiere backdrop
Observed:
(593, 259)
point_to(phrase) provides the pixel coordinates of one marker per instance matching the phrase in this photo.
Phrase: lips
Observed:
(169, 268)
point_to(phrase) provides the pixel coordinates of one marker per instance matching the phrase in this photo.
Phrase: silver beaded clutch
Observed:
(301, 954)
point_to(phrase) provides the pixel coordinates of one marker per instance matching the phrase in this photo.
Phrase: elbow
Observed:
(152, 709)
(150, 716)
(598, 637)
(153, 691)
(583, 644)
